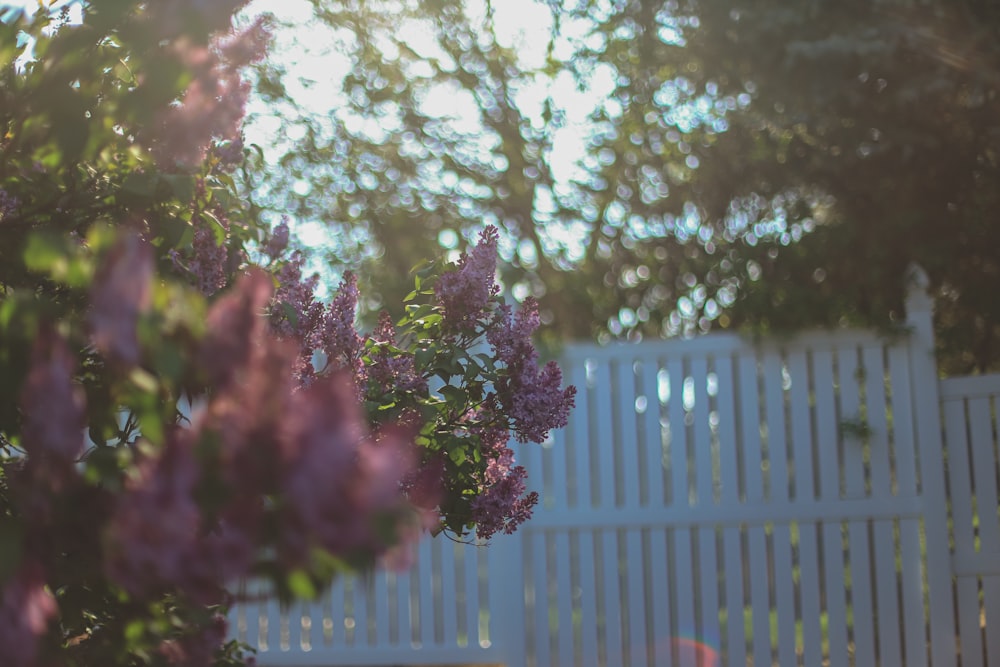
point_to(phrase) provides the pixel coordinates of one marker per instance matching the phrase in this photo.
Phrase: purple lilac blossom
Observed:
(234, 327)
(154, 526)
(465, 293)
(336, 335)
(26, 607)
(534, 399)
(501, 504)
(279, 239)
(338, 478)
(121, 291)
(214, 104)
(52, 405)
(392, 372)
(208, 260)
(8, 204)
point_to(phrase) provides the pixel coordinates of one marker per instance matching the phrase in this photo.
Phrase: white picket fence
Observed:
(818, 501)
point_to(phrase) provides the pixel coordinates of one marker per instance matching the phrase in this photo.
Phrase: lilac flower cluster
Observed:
(309, 448)
(8, 204)
(121, 291)
(214, 103)
(208, 258)
(533, 398)
(52, 406)
(26, 607)
(501, 504)
(336, 334)
(465, 294)
(388, 371)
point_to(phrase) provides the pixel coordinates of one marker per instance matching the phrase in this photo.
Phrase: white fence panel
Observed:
(711, 502)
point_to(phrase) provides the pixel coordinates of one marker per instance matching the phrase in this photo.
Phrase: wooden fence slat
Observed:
(581, 431)
(383, 624)
(760, 602)
(903, 436)
(833, 559)
(959, 471)
(628, 440)
(678, 435)
(564, 599)
(653, 431)
(684, 581)
(704, 479)
(784, 590)
(449, 592)
(735, 639)
(612, 598)
(708, 567)
(887, 594)
(851, 445)
(660, 591)
(776, 476)
(606, 440)
(540, 582)
(588, 584)
(560, 464)
(425, 597)
(809, 590)
(984, 470)
(636, 600)
(470, 572)
(862, 604)
(912, 584)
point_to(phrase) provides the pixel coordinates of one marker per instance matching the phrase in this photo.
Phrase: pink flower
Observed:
(465, 292)
(26, 607)
(52, 404)
(121, 291)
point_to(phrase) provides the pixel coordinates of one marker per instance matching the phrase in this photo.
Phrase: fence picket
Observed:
(911, 579)
(653, 434)
(540, 578)
(588, 583)
(612, 598)
(833, 558)
(660, 592)
(581, 444)
(628, 440)
(853, 447)
(679, 493)
(684, 579)
(564, 599)
(606, 440)
(805, 490)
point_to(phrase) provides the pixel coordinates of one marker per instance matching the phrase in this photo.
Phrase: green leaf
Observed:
(11, 543)
(454, 395)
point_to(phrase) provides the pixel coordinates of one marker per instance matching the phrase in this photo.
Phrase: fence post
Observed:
(930, 448)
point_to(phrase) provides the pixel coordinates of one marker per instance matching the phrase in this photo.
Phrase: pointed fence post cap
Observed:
(918, 299)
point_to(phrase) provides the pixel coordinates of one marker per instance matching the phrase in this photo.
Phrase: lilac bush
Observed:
(126, 288)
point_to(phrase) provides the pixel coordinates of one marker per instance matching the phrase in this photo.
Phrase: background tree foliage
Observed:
(764, 165)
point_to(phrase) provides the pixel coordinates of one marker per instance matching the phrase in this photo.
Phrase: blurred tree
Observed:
(755, 164)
